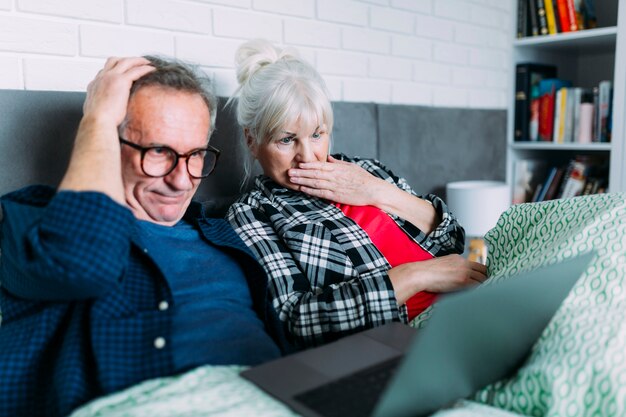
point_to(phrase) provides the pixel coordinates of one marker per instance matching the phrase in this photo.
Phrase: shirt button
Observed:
(159, 343)
(163, 305)
(145, 250)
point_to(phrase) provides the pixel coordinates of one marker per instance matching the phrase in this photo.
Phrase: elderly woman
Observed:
(346, 243)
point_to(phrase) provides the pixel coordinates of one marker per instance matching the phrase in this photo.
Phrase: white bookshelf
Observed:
(584, 57)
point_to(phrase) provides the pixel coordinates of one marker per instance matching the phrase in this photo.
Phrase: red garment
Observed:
(394, 244)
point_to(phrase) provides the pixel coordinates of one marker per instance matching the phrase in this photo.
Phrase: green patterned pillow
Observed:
(578, 366)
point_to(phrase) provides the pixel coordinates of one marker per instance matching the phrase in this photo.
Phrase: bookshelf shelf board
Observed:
(589, 39)
(548, 146)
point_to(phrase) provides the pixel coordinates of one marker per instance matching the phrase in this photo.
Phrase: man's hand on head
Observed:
(95, 163)
(108, 93)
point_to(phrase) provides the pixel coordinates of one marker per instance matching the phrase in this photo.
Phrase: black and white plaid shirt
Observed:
(326, 277)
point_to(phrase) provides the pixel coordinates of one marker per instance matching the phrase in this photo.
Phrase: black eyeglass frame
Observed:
(185, 156)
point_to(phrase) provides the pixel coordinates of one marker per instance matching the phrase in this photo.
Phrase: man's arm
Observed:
(95, 164)
(73, 245)
(62, 246)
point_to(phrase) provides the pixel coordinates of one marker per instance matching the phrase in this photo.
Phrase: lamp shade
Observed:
(478, 204)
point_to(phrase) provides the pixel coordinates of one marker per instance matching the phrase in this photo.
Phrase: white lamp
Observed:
(478, 204)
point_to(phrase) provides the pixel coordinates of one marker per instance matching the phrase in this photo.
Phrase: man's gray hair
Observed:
(180, 76)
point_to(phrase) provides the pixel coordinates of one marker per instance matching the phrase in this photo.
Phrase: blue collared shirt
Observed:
(82, 299)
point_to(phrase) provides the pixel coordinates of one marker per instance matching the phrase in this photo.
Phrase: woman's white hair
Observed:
(277, 88)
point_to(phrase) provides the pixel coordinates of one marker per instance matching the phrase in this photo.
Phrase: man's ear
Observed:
(251, 142)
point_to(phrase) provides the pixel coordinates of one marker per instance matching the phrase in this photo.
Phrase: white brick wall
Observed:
(104, 41)
(348, 11)
(342, 63)
(392, 20)
(435, 28)
(426, 52)
(104, 10)
(27, 35)
(173, 15)
(40, 73)
(301, 8)
(366, 40)
(411, 93)
(10, 72)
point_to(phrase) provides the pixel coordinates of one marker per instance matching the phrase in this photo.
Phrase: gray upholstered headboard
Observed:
(428, 146)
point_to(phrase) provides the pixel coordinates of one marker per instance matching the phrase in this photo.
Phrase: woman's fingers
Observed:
(320, 184)
(477, 271)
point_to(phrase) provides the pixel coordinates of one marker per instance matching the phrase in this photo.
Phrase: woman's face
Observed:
(291, 145)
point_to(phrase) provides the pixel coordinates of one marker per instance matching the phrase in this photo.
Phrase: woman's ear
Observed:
(251, 142)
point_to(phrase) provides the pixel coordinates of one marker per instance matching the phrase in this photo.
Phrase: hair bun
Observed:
(257, 53)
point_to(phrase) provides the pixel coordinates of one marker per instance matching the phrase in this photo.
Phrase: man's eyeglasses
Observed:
(159, 161)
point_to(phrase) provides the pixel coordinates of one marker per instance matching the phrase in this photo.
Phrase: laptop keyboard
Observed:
(354, 395)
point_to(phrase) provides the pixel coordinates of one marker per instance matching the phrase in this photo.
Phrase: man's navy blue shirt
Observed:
(214, 321)
(84, 304)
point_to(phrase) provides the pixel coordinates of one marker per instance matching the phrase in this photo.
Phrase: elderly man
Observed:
(117, 276)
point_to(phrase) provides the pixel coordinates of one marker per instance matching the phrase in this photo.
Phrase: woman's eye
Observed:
(285, 141)
(316, 135)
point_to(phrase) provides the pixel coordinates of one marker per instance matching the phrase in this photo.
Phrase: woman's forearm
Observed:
(392, 199)
(444, 274)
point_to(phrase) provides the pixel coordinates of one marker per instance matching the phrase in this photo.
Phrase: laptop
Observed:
(473, 338)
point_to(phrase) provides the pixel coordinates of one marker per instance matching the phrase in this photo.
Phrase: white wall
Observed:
(430, 52)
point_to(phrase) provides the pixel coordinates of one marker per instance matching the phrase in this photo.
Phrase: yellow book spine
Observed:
(562, 106)
(550, 17)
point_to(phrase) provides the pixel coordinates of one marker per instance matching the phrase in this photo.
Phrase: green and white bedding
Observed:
(219, 391)
(577, 367)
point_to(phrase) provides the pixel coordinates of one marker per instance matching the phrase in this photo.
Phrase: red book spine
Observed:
(546, 116)
(571, 16)
(566, 25)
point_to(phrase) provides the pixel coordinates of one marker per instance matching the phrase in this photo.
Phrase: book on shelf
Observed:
(528, 176)
(567, 15)
(576, 177)
(557, 21)
(543, 190)
(527, 80)
(579, 115)
(555, 182)
(603, 130)
(609, 123)
(571, 15)
(522, 15)
(585, 125)
(578, 11)
(567, 114)
(533, 122)
(588, 10)
(533, 20)
(541, 17)
(573, 121)
(549, 17)
(583, 174)
(560, 104)
(548, 88)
